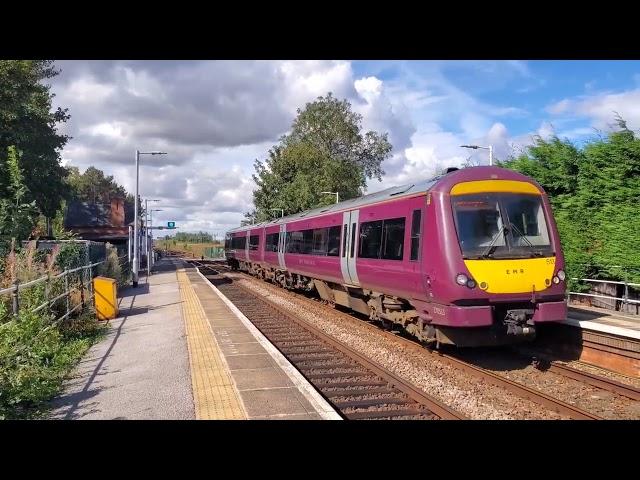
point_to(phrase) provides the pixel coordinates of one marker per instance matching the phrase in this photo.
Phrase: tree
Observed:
(325, 151)
(17, 216)
(93, 186)
(28, 122)
(595, 193)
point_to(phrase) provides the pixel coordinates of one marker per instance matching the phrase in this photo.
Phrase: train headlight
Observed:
(462, 279)
(556, 280)
(484, 285)
(471, 283)
(561, 275)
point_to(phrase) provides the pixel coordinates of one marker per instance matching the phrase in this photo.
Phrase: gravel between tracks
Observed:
(466, 393)
(603, 403)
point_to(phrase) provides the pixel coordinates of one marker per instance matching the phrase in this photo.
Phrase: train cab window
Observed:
(393, 236)
(333, 242)
(416, 224)
(238, 243)
(254, 242)
(272, 240)
(370, 239)
(227, 242)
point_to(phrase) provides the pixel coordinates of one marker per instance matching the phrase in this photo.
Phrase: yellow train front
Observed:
(493, 265)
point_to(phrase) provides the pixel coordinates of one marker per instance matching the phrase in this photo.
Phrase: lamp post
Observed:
(136, 224)
(278, 210)
(334, 193)
(476, 147)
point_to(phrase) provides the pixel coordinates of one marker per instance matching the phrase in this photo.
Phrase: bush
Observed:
(35, 357)
(36, 354)
(111, 268)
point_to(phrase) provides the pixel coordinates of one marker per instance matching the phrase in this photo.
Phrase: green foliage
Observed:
(595, 195)
(28, 122)
(325, 151)
(200, 237)
(36, 354)
(93, 186)
(35, 358)
(112, 267)
(17, 216)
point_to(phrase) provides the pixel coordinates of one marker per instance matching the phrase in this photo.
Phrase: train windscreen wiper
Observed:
(535, 253)
(491, 248)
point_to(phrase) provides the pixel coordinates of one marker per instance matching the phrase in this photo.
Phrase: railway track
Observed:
(356, 387)
(593, 380)
(514, 387)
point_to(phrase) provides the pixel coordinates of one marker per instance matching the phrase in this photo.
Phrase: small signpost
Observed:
(170, 226)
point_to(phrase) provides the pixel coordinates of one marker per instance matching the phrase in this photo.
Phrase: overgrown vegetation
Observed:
(594, 190)
(112, 267)
(35, 352)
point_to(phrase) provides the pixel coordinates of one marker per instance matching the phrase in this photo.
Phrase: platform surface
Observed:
(180, 350)
(605, 321)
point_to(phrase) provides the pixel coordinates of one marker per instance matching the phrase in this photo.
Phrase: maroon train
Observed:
(471, 257)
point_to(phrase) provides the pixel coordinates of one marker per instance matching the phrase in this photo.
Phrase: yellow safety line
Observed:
(214, 394)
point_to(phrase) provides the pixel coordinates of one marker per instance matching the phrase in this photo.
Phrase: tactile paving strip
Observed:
(214, 393)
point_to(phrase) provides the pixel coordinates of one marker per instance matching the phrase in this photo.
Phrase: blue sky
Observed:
(216, 117)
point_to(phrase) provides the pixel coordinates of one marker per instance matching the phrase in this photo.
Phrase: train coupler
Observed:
(519, 322)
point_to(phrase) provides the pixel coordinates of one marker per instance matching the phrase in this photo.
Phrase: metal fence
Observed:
(625, 303)
(65, 293)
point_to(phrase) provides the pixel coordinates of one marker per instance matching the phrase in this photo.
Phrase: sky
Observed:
(215, 118)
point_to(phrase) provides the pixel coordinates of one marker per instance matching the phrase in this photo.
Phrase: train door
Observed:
(349, 247)
(246, 245)
(281, 245)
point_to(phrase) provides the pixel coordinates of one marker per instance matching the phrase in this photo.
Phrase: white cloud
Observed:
(215, 118)
(600, 109)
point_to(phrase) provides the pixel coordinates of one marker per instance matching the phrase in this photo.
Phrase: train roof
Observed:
(376, 197)
(393, 192)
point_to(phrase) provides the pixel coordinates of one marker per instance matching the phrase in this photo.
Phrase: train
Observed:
(469, 258)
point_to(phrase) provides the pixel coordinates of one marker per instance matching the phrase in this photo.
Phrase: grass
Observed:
(195, 249)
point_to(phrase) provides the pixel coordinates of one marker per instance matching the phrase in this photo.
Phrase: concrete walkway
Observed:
(180, 351)
(141, 370)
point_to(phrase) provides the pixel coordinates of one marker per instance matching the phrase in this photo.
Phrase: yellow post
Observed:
(105, 298)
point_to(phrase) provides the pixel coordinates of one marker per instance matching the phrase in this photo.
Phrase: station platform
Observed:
(605, 321)
(599, 337)
(181, 350)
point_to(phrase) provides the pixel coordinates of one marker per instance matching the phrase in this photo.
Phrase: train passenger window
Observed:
(254, 241)
(370, 239)
(344, 240)
(416, 226)
(333, 242)
(307, 241)
(272, 240)
(319, 241)
(393, 235)
(294, 242)
(382, 239)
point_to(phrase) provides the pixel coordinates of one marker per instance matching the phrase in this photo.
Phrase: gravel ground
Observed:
(603, 403)
(585, 367)
(464, 392)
